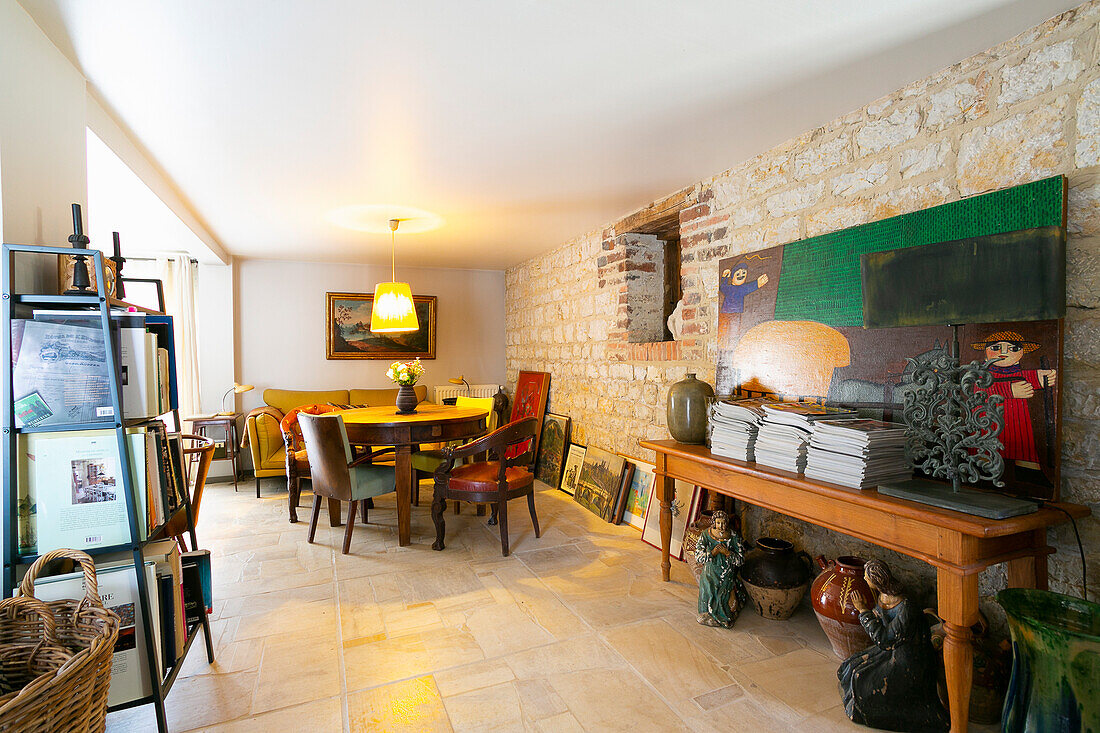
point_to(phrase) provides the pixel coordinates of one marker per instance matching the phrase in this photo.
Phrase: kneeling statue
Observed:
(720, 554)
(892, 685)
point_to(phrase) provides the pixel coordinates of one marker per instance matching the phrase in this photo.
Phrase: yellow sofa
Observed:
(265, 439)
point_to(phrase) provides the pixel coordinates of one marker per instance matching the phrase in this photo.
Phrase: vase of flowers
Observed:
(405, 375)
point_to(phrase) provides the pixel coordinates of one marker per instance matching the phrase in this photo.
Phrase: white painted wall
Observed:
(281, 325)
(42, 162)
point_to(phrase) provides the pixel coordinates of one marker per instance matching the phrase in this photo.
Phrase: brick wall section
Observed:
(1023, 110)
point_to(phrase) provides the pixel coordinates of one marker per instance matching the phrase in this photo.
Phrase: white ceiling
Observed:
(523, 123)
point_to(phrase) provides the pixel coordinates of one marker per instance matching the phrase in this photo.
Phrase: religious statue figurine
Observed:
(720, 553)
(892, 685)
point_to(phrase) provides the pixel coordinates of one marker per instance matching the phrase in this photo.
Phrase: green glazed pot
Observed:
(1055, 684)
(688, 402)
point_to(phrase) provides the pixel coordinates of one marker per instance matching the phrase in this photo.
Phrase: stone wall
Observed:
(1026, 109)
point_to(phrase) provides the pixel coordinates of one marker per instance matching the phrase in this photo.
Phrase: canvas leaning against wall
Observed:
(348, 334)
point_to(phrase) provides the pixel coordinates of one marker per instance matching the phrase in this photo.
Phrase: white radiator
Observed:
(459, 390)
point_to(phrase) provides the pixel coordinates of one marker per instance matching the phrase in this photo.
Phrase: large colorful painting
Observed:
(552, 445)
(599, 482)
(790, 325)
(348, 334)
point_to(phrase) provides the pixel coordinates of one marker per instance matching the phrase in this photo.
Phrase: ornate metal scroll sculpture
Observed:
(953, 423)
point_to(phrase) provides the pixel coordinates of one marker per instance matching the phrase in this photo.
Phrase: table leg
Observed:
(403, 468)
(1030, 572)
(668, 495)
(958, 607)
(231, 436)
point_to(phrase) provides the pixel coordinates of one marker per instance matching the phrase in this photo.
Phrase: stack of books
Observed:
(785, 433)
(733, 427)
(857, 453)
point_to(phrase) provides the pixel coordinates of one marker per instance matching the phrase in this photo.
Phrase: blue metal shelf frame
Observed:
(9, 496)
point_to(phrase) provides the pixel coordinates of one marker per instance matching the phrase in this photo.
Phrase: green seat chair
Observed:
(337, 474)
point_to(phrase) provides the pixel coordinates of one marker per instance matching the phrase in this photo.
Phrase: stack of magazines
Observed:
(733, 426)
(786, 430)
(857, 453)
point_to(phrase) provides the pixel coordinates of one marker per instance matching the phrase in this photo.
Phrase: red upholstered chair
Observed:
(495, 480)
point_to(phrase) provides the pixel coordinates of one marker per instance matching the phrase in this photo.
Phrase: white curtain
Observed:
(177, 272)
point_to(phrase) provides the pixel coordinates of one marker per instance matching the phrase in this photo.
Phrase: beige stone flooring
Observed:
(574, 631)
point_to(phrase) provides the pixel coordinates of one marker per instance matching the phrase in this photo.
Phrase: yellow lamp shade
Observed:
(393, 310)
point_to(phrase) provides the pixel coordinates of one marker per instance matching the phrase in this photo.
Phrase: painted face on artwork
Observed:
(1006, 353)
(740, 275)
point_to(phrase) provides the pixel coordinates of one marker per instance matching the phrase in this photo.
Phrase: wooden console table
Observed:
(958, 545)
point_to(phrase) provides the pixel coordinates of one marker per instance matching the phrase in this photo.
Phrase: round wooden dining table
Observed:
(382, 426)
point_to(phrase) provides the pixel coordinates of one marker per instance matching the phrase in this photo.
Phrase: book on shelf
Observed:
(70, 486)
(197, 587)
(59, 371)
(165, 555)
(117, 581)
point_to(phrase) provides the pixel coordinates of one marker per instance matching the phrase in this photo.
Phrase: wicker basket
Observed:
(60, 652)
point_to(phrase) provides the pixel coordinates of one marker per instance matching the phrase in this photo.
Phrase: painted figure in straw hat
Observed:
(1017, 386)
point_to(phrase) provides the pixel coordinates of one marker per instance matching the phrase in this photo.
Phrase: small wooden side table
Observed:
(213, 426)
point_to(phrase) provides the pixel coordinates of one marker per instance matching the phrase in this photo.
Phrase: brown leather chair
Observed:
(496, 480)
(297, 463)
(198, 454)
(336, 473)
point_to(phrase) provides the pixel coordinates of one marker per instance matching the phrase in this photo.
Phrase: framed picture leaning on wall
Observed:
(574, 460)
(348, 334)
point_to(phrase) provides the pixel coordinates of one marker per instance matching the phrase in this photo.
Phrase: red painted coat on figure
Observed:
(1017, 438)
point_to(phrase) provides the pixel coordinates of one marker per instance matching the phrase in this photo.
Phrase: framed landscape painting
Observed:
(555, 439)
(599, 482)
(348, 334)
(574, 460)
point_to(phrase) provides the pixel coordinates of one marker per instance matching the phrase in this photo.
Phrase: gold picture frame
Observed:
(348, 336)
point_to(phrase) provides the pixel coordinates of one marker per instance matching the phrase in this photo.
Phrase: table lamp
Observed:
(235, 389)
(952, 423)
(461, 379)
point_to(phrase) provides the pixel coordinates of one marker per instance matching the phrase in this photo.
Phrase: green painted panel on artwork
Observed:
(821, 276)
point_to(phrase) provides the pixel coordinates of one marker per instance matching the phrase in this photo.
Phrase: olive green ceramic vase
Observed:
(1055, 684)
(688, 402)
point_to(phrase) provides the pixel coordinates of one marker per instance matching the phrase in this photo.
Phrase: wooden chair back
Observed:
(329, 452)
(198, 454)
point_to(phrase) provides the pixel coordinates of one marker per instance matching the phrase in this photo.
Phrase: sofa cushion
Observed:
(287, 399)
(382, 397)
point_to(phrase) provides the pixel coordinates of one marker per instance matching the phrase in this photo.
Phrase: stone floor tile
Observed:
(295, 669)
(458, 680)
(310, 717)
(412, 705)
(614, 700)
(495, 708)
(392, 659)
(803, 680)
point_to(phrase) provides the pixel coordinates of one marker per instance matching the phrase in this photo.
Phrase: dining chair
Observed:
(198, 454)
(496, 479)
(337, 474)
(424, 462)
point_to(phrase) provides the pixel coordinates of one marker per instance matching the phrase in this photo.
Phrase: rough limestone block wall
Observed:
(1026, 109)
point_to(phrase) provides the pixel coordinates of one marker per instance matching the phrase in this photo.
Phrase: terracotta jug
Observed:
(775, 577)
(832, 593)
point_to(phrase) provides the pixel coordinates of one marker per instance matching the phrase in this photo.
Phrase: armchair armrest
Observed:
(370, 456)
(496, 444)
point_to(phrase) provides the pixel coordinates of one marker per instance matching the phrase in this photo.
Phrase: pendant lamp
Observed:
(393, 310)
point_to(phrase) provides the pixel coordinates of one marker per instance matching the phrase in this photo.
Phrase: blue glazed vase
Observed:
(1055, 683)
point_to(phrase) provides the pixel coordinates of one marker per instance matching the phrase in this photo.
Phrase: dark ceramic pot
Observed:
(688, 402)
(1055, 682)
(406, 400)
(832, 593)
(776, 577)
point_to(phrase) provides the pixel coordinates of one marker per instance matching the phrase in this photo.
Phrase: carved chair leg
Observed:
(313, 518)
(492, 515)
(351, 524)
(439, 505)
(502, 515)
(531, 506)
(293, 498)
